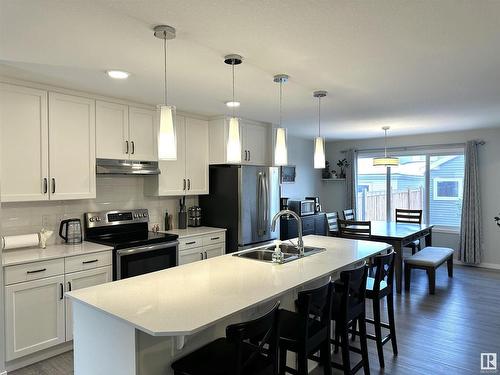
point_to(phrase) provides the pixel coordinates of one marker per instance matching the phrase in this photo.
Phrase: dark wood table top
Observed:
(396, 231)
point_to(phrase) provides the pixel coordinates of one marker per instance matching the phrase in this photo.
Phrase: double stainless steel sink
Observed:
(290, 253)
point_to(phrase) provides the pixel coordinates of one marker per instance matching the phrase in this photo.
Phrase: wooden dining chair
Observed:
(332, 220)
(408, 216)
(358, 230)
(349, 214)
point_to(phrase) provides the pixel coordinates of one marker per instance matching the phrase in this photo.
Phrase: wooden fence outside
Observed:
(372, 204)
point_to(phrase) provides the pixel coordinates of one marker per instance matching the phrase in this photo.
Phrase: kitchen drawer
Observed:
(87, 261)
(214, 238)
(190, 242)
(33, 271)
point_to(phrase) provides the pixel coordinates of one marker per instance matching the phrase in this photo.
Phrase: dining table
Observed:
(398, 235)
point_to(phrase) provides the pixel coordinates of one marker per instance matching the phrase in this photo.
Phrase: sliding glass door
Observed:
(430, 180)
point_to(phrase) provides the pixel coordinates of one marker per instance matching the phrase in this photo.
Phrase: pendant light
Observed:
(280, 141)
(167, 137)
(233, 140)
(385, 161)
(319, 141)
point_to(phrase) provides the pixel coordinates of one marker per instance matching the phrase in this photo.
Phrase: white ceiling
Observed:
(419, 66)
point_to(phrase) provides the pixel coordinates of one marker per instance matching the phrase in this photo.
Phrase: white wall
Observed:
(333, 194)
(113, 192)
(308, 179)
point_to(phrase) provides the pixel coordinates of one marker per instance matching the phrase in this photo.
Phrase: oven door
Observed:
(137, 261)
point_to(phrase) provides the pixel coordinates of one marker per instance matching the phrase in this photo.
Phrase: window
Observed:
(447, 189)
(430, 180)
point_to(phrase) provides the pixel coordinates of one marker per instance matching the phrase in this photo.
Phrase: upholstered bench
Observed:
(429, 259)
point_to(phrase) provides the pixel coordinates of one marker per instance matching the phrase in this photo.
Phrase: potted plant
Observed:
(343, 164)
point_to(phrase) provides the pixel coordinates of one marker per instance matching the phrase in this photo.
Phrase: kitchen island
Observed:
(140, 325)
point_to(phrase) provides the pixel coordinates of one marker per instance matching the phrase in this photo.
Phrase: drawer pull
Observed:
(37, 271)
(89, 261)
(190, 243)
(214, 238)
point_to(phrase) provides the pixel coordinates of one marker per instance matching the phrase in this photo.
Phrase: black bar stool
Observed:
(249, 348)
(307, 330)
(349, 307)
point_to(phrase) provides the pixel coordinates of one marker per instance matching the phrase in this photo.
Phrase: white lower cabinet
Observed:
(194, 248)
(37, 315)
(34, 316)
(80, 280)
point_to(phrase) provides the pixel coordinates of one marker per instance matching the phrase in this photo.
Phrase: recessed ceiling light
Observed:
(232, 104)
(117, 74)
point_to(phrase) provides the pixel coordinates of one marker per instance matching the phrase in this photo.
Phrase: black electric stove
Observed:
(136, 250)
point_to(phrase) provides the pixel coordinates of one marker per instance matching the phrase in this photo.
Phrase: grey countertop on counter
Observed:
(194, 231)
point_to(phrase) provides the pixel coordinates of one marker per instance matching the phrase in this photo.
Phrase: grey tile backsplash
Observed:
(113, 192)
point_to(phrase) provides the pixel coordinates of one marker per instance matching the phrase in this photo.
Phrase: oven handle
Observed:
(143, 249)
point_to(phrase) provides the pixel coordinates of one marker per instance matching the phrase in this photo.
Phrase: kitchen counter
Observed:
(142, 324)
(202, 293)
(20, 256)
(193, 231)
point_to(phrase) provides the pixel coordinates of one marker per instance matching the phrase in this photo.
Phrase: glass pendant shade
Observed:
(386, 161)
(167, 140)
(280, 148)
(319, 153)
(234, 141)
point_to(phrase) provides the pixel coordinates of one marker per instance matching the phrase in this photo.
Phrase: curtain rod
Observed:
(411, 148)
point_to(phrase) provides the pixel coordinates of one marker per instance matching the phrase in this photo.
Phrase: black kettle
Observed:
(70, 231)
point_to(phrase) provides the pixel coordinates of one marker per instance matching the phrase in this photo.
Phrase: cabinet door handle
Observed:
(69, 286)
(53, 185)
(45, 185)
(249, 155)
(246, 153)
(184, 184)
(36, 271)
(126, 147)
(89, 261)
(61, 286)
(189, 184)
(214, 238)
(190, 243)
(206, 256)
(201, 256)
(133, 147)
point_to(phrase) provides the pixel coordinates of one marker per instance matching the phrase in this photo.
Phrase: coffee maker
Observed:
(317, 205)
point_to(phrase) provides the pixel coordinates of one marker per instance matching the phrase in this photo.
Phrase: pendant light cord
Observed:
(281, 100)
(319, 117)
(232, 66)
(165, 97)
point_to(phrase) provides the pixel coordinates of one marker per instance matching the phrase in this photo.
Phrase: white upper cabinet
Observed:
(142, 134)
(255, 142)
(196, 156)
(71, 147)
(188, 175)
(111, 130)
(24, 144)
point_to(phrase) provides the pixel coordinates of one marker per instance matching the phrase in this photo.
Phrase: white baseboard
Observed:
(492, 266)
(3, 373)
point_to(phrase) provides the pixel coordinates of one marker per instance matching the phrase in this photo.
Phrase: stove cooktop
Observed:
(122, 241)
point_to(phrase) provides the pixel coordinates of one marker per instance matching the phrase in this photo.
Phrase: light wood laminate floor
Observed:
(440, 334)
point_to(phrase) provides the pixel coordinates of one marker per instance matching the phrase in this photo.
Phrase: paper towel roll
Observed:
(24, 240)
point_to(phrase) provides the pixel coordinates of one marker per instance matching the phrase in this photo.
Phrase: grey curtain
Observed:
(470, 229)
(350, 177)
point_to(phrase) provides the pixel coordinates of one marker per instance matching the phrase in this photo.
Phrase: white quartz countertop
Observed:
(194, 231)
(19, 256)
(183, 300)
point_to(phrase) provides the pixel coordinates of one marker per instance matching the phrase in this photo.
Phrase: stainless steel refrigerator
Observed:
(242, 199)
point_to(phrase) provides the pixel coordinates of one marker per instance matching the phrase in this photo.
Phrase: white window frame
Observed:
(427, 198)
(437, 180)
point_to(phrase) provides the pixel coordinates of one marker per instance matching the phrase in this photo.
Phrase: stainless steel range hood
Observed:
(127, 167)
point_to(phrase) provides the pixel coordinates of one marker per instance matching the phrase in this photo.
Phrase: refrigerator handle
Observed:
(260, 203)
(266, 203)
